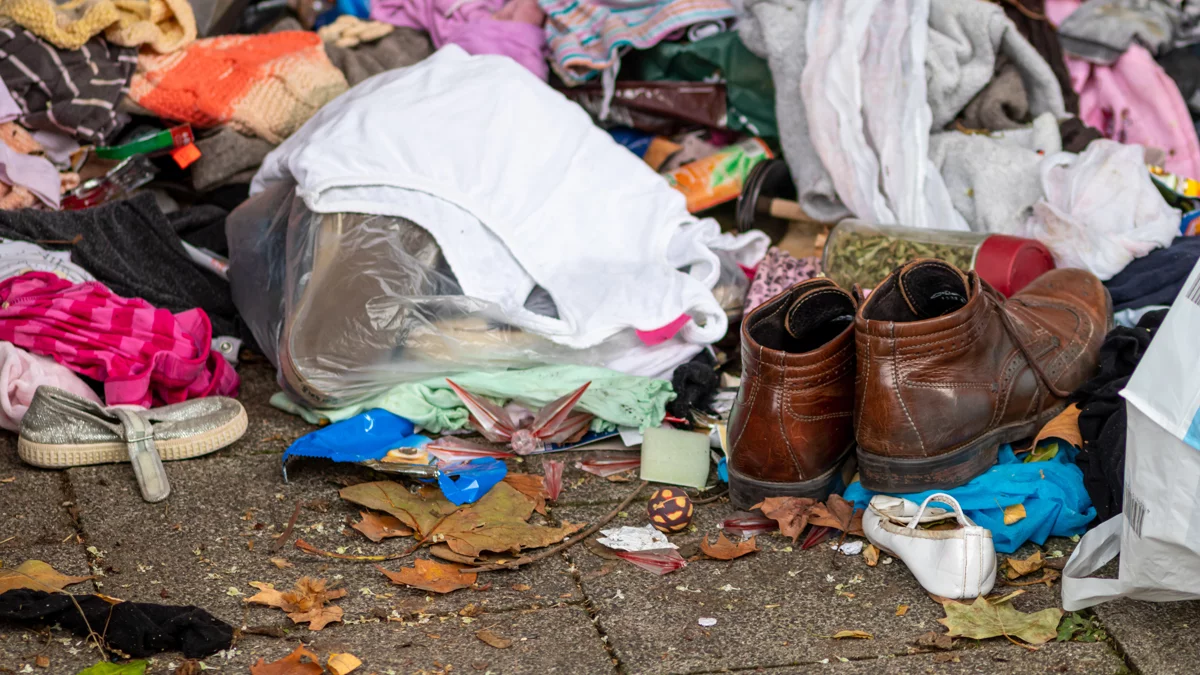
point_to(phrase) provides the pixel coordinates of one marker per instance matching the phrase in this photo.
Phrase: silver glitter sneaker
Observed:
(63, 430)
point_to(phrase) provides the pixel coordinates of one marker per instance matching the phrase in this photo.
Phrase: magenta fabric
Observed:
(21, 373)
(512, 29)
(144, 355)
(1133, 101)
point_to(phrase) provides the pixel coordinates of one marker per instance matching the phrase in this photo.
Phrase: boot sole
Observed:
(745, 492)
(61, 456)
(891, 475)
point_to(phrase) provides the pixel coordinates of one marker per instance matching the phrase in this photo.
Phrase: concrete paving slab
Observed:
(213, 536)
(785, 602)
(1155, 637)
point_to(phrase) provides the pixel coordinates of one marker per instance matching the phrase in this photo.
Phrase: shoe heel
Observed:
(745, 492)
(890, 475)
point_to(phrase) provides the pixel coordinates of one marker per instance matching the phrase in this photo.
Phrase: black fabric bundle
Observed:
(695, 383)
(1155, 278)
(131, 247)
(139, 629)
(1102, 418)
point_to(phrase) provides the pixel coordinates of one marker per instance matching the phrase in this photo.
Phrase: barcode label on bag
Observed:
(1193, 292)
(1135, 510)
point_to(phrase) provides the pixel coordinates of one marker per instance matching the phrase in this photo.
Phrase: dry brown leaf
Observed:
(292, 664)
(41, 661)
(1064, 427)
(1014, 514)
(790, 512)
(901, 610)
(340, 664)
(431, 576)
(839, 514)
(724, 549)
(306, 603)
(852, 634)
(1049, 576)
(531, 486)
(36, 575)
(494, 640)
(189, 667)
(981, 620)
(935, 641)
(418, 511)
(871, 555)
(521, 588)
(1018, 568)
(377, 527)
(281, 563)
(443, 551)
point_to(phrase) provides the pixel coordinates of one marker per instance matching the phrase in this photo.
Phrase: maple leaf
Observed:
(790, 512)
(292, 664)
(497, 523)
(36, 575)
(377, 527)
(303, 604)
(982, 619)
(494, 640)
(1018, 568)
(531, 486)
(419, 511)
(837, 513)
(724, 549)
(431, 576)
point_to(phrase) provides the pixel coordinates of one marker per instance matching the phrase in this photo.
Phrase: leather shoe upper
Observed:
(793, 416)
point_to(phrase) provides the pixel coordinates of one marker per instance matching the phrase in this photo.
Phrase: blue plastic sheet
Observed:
(466, 482)
(1056, 503)
(365, 436)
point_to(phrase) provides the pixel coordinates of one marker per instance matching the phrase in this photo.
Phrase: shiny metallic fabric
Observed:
(57, 417)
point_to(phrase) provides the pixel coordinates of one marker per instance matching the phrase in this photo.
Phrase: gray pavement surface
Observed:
(775, 610)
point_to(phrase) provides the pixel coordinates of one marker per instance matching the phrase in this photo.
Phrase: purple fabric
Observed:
(9, 110)
(36, 174)
(469, 24)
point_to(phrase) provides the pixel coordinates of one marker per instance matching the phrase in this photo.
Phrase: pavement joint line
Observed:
(594, 616)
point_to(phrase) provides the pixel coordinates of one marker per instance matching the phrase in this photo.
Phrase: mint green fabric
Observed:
(614, 398)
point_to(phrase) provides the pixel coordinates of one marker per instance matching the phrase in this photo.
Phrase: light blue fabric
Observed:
(1056, 503)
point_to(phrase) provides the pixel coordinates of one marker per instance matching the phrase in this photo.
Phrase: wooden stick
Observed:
(525, 560)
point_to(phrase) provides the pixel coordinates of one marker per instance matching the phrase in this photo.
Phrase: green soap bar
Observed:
(675, 457)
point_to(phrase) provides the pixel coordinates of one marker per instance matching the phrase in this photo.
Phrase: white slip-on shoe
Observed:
(956, 564)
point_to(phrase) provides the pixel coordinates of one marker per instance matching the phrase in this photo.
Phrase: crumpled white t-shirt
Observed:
(519, 188)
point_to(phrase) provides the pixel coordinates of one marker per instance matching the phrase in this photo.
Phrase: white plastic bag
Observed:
(1100, 210)
(1158, 533)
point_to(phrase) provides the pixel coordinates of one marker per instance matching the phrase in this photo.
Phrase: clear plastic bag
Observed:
(349, 305)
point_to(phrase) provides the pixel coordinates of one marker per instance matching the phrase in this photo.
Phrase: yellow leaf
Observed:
(1064, 427)
(1014, 514)
(37, 576)
(871, 555)
(901, 610)
(851, 634)
(1018, 568)
(340, 664)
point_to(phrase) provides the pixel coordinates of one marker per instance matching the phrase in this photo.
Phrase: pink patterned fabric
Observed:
(21, 373)
(777, 272)
(144, 355)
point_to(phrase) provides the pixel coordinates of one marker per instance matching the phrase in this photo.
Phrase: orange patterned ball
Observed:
(670, 510)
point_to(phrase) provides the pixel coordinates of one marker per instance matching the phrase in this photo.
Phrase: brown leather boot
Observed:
(948, 370)
(791, 429)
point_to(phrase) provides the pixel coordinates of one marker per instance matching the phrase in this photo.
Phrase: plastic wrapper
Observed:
(346, 306)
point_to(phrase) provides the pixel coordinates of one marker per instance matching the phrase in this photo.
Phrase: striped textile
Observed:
(70, 91)
(585, 36)
(144, 355)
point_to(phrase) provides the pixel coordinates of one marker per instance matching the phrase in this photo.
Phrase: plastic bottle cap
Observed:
(1011, 263)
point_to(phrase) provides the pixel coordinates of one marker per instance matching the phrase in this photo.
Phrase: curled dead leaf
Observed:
(432, 576)
(494, 640)
(36, 575)
(1017, 568)
(531, 486)
(281, 563)
(871, 555)
(852, 634)
(1064, 427)
(724, 549)
(306, 603)
(377, 526)
(300, 662)
(790, 512)
(341, 664)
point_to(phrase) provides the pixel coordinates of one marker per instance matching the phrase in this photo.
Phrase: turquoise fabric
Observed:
(1052, 491)
(614, 398)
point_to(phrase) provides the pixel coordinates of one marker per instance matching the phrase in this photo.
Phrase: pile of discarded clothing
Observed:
(908, 252)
